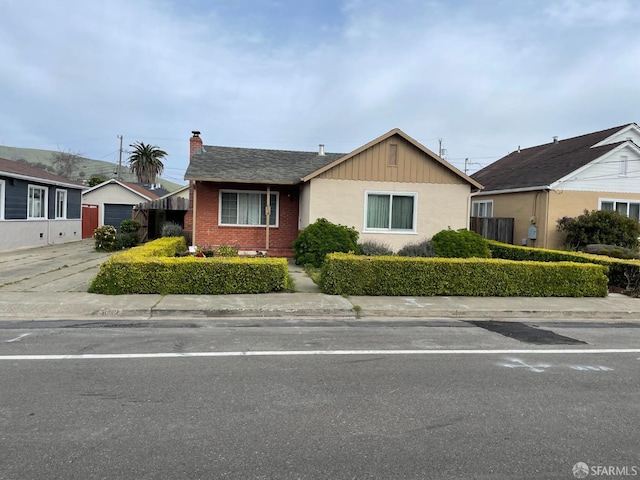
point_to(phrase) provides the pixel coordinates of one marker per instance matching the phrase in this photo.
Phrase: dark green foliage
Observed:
(93, 181)
(374, 248)
(344, 274)
(126, 240)
(105, 238)
(323, 237)
(130, 226)
(461, 243)
(171, 229)
(600, 226)
(620, 272)
(420, 249)
(153, 268)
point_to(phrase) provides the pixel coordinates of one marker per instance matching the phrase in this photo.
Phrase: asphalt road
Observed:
(109, 399)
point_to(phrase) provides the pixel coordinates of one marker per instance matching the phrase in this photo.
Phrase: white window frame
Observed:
(274, 214)
(475, 208)
(45, 202)
(61, 215)
(616, 201)
(414, 220)
(2, 195)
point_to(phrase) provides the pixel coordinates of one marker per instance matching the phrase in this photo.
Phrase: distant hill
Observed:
(86, 169)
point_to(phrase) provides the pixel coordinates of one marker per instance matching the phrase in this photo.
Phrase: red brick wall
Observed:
(208, 232)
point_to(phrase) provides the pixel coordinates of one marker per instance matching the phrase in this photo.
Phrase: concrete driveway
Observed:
(67, 267)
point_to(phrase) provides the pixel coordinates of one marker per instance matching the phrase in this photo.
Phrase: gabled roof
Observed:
(24, 171)
(538, 167)
(252, 165)
(284, 167)
(391, 133)
(136, 188)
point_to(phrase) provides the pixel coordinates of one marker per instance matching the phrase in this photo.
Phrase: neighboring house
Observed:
(391, 190)
(37, 207)
(539, 185)
(153, 214)
(115, 200)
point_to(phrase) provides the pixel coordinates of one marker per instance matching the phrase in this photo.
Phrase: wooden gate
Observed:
(89, 220)
(142, 216)
(499, 229)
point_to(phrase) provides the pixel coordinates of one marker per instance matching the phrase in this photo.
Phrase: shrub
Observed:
(420, 249)
(600, 226)
(373, 248)
(126, 240)
(344, 274)
(130, 226)
(105, 238)
(461, 243)
(322, 237)
(153, 268)
(226, 251)
(171, 229)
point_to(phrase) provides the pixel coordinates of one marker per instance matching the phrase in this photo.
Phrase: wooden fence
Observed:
(499, 229)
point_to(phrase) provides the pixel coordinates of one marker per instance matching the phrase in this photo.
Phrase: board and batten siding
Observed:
(375, 165)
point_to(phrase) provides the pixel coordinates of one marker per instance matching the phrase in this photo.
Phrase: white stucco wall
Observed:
(439, 206)
(15, 234)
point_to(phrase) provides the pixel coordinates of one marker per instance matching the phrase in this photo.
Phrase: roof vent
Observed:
(321, 149)
(555, 139)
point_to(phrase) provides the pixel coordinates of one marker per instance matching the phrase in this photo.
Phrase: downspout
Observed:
(267, 211)
(546, 229)
(193, 220)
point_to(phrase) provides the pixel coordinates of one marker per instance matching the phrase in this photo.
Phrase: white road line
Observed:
(18, 338)
(293, 353)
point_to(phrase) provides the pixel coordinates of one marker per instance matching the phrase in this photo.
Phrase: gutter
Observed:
(512, 190)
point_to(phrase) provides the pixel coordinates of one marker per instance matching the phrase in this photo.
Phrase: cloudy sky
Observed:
(481, 76)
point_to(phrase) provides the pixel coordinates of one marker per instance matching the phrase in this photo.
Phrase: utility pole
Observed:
(440, 147)
(120, 159)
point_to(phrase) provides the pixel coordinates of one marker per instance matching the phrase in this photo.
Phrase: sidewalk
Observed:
(50, 283)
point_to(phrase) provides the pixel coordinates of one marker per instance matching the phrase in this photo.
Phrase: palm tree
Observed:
(146, 162)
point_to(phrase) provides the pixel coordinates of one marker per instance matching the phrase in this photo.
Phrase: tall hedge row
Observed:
(621, 273)
(346, 274)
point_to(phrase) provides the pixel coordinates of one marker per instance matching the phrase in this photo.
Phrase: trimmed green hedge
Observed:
(621, 273)
(346, 274)
(153, 268)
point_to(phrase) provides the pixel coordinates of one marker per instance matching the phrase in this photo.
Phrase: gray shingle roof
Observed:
(253, 165)
(544, 164)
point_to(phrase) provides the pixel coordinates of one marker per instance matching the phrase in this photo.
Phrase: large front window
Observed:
(623, 207)
(391, 212)
(37, 205)
(247, 208)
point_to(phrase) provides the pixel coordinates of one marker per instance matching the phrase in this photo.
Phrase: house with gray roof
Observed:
(37, 207)
(392, 190)
(538, 185)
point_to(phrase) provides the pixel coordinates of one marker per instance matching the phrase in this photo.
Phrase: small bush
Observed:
(322, 237)
(105, 238)
(126, 240)
(171, 229)
(420, 249)
(461, 243)
(226, 251)
(130, 226)
(601, 227)
(373, 248)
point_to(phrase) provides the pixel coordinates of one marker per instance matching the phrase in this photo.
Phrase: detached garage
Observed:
(115, 200)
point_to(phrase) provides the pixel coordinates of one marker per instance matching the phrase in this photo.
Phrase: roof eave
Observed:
(512, 190)
(29, 178)
(241, 180)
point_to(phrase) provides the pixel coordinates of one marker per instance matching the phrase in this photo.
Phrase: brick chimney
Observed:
(195, 144)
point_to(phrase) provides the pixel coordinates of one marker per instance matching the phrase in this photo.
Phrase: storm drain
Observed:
(526, 333)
